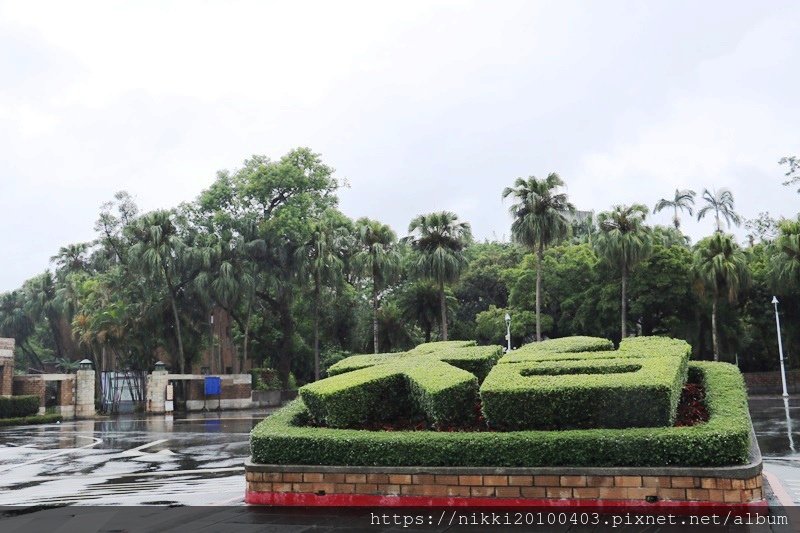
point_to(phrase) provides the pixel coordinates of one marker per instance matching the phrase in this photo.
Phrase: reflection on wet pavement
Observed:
(198, 460)
(776, 421)
(195, 460)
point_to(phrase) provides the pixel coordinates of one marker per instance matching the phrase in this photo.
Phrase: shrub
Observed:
(437, 346)
(723, 440)
(265, 379)
(410, 385)
(600, 393)
(29, 420)
(580, 350)
(18, 406)
(357, 362)
(478, 360)
(534, 350)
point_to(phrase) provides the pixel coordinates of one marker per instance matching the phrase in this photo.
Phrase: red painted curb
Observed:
(294, 499)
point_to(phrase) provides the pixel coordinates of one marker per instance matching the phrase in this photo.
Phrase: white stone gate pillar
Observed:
(84, 390)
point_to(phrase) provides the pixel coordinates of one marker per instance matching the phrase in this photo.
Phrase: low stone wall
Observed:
(75, 396)
(236, 391)
(342, 485)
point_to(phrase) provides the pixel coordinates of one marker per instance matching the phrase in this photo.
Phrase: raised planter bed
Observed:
(298, 461)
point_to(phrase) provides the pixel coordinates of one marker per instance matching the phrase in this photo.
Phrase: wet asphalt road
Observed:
(131, 460)
(197, 461)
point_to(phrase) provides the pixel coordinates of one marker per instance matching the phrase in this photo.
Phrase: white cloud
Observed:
(420, 105)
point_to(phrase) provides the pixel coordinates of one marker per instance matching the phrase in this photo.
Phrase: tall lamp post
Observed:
(780, 346)
(508, 331)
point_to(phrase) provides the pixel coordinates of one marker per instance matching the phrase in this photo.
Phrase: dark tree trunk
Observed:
(375, 317)
(714, 333)
(539, 254)
(443, 305)
(316, 329)
(624, 302)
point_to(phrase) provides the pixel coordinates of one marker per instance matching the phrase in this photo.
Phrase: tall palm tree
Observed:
(321, 260)
(624, 241)
(786, 253)
(721, 266)
(721, 203)
(683, 201)
(378, 258)
(159, 252)
(540, 219)
(439, 240)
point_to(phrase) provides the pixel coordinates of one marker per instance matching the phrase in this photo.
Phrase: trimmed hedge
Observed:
(600, 393)
(29, 420)
(631, 347)
(724, 440)
(357, 362)
(478, 360)
(436, 346)
(408, 386)
(18, 406)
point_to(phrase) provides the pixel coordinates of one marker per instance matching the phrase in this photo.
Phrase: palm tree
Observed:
(540, 219)
(439, 240)
(721, 202)
(720, 265)
(321, 259)
(419, 303)
(377, 257)
(158, 252)
(683, 201)
(624, 241)
(786, 253)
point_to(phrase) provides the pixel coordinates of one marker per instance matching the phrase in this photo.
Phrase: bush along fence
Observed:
(463, 425)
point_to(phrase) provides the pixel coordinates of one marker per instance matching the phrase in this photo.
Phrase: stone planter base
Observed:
(405, 486)
(386, 486)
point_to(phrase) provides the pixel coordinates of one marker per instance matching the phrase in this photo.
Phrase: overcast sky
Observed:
(421, 106)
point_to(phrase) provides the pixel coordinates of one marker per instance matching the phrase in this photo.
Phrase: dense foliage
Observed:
(299, 286)
(18, 406)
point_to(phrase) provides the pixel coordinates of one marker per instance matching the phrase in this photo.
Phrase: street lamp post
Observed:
(780, 346)
(508, 331)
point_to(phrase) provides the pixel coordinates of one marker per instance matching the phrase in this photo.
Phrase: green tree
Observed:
(721, 267)
(160, 255)
(624, 241)
(378, 259)
(792, 171)
(786, 254)
(321, 259)
(683, 201)
(721, 203)
(439, 240)
(540, 219)
(490, 325)
(419, 304)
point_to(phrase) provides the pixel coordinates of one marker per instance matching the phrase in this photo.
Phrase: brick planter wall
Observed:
(276, 485)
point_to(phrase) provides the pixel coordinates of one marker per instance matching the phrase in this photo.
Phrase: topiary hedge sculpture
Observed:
(573, 401)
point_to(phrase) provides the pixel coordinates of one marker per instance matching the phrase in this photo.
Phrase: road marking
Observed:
(57, 454)
(778, 490)
(164, 473)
